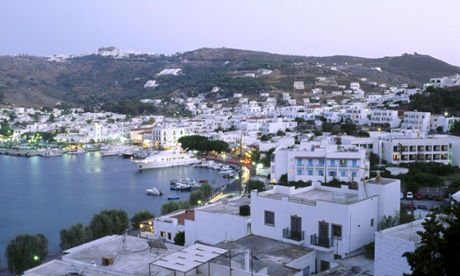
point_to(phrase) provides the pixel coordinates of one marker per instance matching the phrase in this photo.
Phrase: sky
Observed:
(361, 28)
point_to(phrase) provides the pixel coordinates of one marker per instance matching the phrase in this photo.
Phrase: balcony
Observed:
(322, 242)
(293, 235)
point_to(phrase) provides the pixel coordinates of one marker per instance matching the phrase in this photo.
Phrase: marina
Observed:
(59, 192)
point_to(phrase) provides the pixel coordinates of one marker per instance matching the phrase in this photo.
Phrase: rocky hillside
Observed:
(104, 77)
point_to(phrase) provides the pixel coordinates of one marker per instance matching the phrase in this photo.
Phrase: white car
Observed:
(409, 195)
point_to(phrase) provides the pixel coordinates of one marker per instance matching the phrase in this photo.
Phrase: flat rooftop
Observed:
(266, 253)
(311, 196)
(130, 255)
(229, 207)
(406, 231)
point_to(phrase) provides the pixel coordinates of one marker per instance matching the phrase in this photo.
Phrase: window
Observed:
(169, 236)
(336, 231)
(310, 172)
(342, 173)
(162, 234)
(299, 172)
(270, 218)
(320, 172)
(372, 222)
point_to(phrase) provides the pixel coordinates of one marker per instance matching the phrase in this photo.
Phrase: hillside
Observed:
(101, 78)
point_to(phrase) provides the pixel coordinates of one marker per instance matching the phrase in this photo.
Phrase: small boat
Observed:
(154, 191)
(51, 153)
(173, 197)
(184, 184)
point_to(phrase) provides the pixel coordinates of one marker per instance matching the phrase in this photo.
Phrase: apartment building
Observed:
(167, 135)
(384, 117)
(333, 221)
(319, 161)
(417, 120)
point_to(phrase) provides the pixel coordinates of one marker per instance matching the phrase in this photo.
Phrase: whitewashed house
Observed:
(391, 244)
(417, 120)
(333, 221)
(319, 161)
(384, 117)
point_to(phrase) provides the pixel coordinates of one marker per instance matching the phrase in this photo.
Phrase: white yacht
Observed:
(167, 158)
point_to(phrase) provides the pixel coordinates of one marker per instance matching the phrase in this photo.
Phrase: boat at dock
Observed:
(184, 184)
(173, 197)
(167, 158)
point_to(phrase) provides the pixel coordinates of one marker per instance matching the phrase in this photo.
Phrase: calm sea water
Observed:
(48, 194)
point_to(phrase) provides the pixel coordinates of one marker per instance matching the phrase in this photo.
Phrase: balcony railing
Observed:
(293, 235)
(323, 242)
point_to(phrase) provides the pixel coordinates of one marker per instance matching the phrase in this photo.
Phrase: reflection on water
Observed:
(46, 195)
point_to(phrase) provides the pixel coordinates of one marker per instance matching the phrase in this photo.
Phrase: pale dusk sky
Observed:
(298, 27)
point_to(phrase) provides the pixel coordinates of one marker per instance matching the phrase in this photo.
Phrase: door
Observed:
(323, 233)
(296, 228)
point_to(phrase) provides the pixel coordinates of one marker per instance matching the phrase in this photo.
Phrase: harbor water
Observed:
(48, 194)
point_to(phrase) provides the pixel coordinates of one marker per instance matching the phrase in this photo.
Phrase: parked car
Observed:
(411, 207)
(409, 195)
(429, 196)
(418, 196)
(422, 207)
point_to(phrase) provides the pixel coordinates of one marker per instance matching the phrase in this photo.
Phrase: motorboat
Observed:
(227, 171)
(184, 184)
(173, 197)
(154, 191)
(167, 158)
(51, 153)
(77, 151)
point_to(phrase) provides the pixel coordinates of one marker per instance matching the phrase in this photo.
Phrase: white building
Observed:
(334, 221)
(397, 150)
(226, 220)
(443, 82)
(299, 85)
(444, 123)
(167, 135)
(417, 120)
(391, 243)
(317, 161)
(384, 117)
(354, 86)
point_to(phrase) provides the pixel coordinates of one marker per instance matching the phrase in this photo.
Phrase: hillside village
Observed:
(282, 230)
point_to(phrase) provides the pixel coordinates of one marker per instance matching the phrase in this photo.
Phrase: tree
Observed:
(438, 254)
(108, 222)
(139, 217)
(26, 251)
(455, 128)
(179, 239)
(196, 198)
(74, 236)
(206, 190)
(174, 206)
(255, 185)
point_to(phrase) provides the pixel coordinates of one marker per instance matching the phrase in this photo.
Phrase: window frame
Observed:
(334, 228)
(269, 218)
